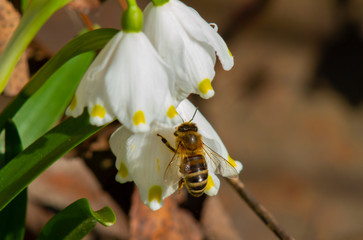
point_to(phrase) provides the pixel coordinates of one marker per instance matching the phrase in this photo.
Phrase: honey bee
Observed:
(188, 165)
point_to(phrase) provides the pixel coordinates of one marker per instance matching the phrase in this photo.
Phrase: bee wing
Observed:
(221, 165)
(172, 174)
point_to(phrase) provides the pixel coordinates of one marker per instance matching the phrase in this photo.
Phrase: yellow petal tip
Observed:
(138, 118)
(123, 172)
(231, 161)
(229, 52)
(98, 111)
(73, 104)
(155, 193)
(205, 86)
(171, 113)
(210, 183)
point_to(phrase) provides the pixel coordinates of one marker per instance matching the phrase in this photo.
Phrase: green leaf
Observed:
(12, 218)
(86, 42)
(47, 105)
(13, 144)
(24, 5)
(30, 163)
(76, 220)
(33, 19)
(2, 146)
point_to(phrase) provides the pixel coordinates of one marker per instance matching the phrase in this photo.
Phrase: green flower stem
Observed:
(159, 2)
(131, 3)
(132, 18)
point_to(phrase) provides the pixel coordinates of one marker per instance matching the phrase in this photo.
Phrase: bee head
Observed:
(186, 127)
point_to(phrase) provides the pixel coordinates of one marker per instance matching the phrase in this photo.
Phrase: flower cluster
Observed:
(142, 78)
(143, 158)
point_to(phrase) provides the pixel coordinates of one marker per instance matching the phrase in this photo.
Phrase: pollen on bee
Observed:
(138, 118)
(98, 111)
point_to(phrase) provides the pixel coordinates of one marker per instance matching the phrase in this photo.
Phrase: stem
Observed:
(259, 209)
(87, 21)
(159, 2)
(131, 3)
(132, 18)
(123, 4)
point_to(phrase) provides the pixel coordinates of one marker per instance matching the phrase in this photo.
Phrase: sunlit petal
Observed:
(129, 81)
(188, 45)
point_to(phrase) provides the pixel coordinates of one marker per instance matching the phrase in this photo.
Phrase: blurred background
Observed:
(290, 110)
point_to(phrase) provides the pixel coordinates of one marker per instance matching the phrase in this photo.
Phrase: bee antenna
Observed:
(181, 117)
(196, 109)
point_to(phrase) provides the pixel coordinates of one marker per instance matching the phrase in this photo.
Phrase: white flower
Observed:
(129, 81)
(143, 158)
(189, 44)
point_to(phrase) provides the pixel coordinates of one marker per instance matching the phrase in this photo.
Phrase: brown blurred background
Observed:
(290, 110)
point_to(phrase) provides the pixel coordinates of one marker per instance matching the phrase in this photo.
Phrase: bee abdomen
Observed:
(196, 174)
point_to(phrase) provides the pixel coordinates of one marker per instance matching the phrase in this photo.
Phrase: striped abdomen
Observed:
(195, 172)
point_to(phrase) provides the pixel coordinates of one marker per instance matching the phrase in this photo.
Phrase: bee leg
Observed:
(180, 185)
(166, 143)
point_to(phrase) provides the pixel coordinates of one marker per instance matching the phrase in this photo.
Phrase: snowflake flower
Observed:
(188, 43)
(143, 158)
(128, 80)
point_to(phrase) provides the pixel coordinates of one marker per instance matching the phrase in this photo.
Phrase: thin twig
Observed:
(260, 210)
(123, 4)
(86, 21)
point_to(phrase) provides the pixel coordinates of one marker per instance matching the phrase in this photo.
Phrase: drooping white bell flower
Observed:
(129, 81)
(143, 157)
(188, 43)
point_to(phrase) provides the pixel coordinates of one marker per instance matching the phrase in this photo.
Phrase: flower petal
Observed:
(130, 81)
(200, 30)
(192, 61)
(141, 94)
(146, 160)
(90, 85)
(118, 147)
(212, 185)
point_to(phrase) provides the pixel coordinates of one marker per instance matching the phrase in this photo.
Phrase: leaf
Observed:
(24, 5)
(30, 163)
(47, 105)
(9, 21)
(76, 220)
(12, 218)
(13, 144)
(34, 17)
(89, 41)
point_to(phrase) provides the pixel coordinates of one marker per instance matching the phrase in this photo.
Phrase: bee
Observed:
(188, 165)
